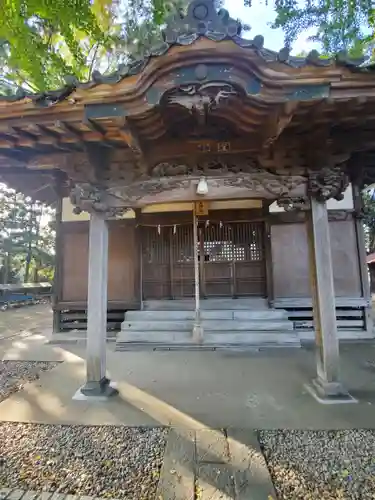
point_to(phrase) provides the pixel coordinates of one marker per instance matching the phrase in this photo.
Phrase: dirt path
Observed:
(25, 319)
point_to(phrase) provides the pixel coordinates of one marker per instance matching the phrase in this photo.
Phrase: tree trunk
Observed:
(29, 246)
(36, 270)
(7, 266)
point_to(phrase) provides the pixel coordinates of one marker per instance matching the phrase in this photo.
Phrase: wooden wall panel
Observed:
(121, 265)
(74, 274)
(290, 260)
(122, 262)
(345, 259)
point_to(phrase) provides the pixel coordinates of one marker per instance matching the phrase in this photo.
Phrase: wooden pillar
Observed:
(57, 279)
(138, 258)
(97, 385)
(197, 327)
(327, 386)
(362, 260)
(268, 254)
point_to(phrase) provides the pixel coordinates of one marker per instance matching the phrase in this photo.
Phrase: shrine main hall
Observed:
(208, 196)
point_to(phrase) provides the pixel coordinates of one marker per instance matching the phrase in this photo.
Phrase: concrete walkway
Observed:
(192, 390)
(214, 402)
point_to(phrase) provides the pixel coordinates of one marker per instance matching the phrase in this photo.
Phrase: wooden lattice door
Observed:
(233, 263)
(155, 262)
(231, 260)
(167, 262)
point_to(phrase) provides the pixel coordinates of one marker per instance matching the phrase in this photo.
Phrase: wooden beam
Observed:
(181, 148)
(70, 132)
(52, 161)
(100, 130)
(30, 141)
(22, 170)
(131, 135)
(99, 158)
(25, 133)
(55, 138)
(101, 111)
(278, 121)
(7, 141)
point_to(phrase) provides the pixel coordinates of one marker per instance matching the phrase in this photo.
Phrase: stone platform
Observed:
(239, 323)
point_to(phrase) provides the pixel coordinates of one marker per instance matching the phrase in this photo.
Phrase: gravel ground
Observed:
(106, 461)
(317, 465)
(14, 374)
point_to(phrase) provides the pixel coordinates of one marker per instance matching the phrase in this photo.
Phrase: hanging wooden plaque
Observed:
(201, 208)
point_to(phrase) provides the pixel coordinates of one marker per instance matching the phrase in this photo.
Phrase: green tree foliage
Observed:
(142, 25)
(338, 24)
(42, 41)
(369, 218)
(26, 238)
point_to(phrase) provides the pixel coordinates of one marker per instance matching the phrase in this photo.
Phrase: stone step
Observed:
(268, 314)
(206, 304)
(169, 336)
(209, 325)
(250, 338)
(174, 340)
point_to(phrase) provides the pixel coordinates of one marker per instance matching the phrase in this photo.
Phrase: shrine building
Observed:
(208, 196)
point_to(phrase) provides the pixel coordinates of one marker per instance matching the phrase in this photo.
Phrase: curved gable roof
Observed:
(201, 20)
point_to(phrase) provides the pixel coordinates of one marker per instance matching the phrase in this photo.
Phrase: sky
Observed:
(259, 16)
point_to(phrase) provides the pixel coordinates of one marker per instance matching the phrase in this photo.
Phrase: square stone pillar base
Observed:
(329, 392)
(198, 332)
(96, 391)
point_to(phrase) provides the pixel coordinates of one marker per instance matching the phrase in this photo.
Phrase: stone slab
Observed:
(212, 446)
(329, 400)
(251, 474)
(214, 325)
(177, 481)
(47, 495)
(59, 496)
(80, 396)
(220, 314)
(31, 495)
(206, 304)
(15, 495)
(215, 482)
(4, 492)
(170, 336)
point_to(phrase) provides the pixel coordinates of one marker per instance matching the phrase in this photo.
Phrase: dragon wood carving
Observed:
(291, 191)
(88, 198)
(201, 99)
(328, 183)
(209, 167)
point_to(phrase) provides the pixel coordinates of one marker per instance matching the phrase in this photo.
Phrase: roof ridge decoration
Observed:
(201, 20)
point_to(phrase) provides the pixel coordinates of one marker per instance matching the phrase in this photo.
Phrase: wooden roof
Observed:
(204, 90)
